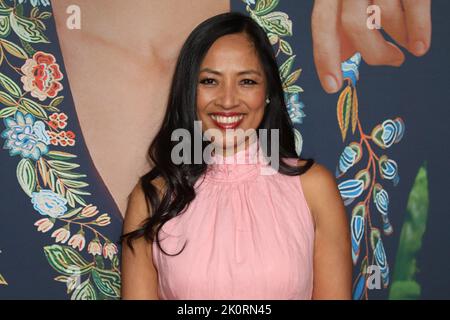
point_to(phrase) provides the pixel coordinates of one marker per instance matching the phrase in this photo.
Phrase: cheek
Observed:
(203, 99)
(256, 101)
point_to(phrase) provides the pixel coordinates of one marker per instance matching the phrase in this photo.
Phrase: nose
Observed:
(228, 97)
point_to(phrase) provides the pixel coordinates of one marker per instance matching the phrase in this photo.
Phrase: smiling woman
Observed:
(228, 231)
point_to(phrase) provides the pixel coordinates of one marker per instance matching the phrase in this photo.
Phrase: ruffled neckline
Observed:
(245, 164)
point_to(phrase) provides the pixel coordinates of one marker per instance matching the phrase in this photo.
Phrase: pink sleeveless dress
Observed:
(249, 236)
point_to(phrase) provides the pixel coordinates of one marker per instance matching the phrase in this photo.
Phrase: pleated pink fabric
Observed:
(249, 235)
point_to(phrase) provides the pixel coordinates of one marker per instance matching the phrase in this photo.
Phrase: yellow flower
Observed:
(103, 220)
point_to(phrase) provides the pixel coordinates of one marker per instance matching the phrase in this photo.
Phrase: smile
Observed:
(225, 121)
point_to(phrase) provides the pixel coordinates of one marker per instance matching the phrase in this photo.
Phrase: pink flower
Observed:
(109, 250)
(78, 241)
(44, 224)
(95, 248)
(61, 235)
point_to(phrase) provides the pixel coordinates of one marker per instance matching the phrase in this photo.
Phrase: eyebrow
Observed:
(239, 73)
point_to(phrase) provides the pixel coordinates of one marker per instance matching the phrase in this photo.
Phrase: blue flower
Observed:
(294, 107)
(250, 2)
(24, 136)
(350, 155)
(350, 68)
(48, 203)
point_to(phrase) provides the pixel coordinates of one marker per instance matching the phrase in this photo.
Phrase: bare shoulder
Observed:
(137, 209)
(320, 189)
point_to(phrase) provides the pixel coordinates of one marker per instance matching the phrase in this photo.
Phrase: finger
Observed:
(393, 20)
(418, 24)
(369, 42)
(326, 45)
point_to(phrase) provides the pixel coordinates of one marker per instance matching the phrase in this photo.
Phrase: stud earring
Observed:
(267, 100)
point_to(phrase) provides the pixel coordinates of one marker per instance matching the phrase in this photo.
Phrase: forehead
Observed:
(233, 49)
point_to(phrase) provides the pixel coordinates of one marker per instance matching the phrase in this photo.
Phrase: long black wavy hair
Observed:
(179, 179)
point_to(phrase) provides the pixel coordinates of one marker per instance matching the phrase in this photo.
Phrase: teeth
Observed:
(227, 120)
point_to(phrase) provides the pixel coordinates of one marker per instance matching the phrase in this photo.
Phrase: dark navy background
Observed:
(419, 93)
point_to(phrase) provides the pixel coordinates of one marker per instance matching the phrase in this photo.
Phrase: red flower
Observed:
(58, 120)
(41, 76)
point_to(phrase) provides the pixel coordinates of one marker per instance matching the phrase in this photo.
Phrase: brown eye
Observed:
(207, 81)
(248, 82)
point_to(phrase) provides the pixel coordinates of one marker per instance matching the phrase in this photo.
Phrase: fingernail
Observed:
(330, 83)
(419, 48)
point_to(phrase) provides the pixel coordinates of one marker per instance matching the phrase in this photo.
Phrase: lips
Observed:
(227, 120)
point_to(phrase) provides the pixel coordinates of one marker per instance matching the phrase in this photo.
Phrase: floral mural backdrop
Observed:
(60, 223)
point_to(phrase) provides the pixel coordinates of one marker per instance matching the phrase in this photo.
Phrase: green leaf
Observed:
(78, 199)
(84, 291)
(14, 49)
(66, 260)
(293, 89)
(52, 180)
(404, 290)
(286, 67)
(27, 47)
(108, 282)
(26, 176)
(70, 199)
(60, 189)
(57, 101)
(62, 165)
(74, 184)
(5, 27)
(292, 78)
(404, 285)
(265, 6)
(277, 23)
(34, 12)
(80, 192)
(27, 29)
(7, 100)
(32, 107)
(286, 47)
(10, 85)
(45, 15)
(71, 213)
(60, 155)
(6, 112)
(70, 175)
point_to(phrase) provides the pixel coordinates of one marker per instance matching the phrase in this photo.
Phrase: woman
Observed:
(222, 230)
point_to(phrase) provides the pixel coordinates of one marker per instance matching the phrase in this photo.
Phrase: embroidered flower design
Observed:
(48, 203)
(25, 136)
(63, 138)
(58, 120)
(294, 107)
(41, 76)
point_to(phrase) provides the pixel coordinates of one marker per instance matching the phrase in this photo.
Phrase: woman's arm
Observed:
(332, 248)
(139, 275)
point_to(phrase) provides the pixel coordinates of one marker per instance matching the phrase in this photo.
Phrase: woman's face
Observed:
(231, 88)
